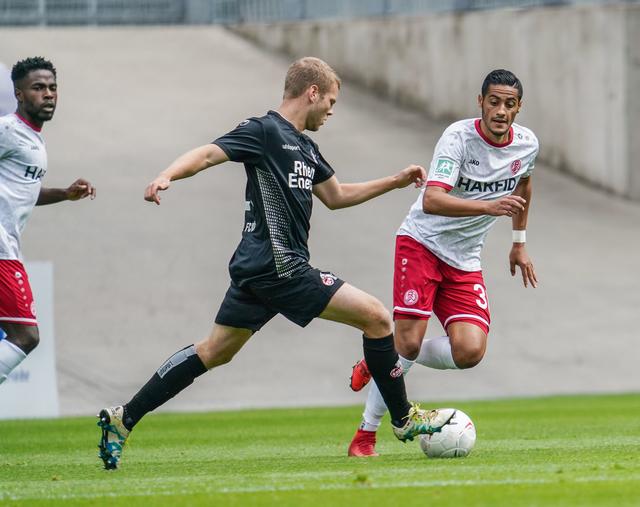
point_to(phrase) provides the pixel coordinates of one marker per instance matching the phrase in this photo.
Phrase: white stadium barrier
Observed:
(32, 390)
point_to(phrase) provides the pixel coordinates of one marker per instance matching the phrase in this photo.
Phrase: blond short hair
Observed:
(309, 71)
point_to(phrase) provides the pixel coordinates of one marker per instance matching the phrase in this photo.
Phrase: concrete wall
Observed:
(134, 282)
(580, 68)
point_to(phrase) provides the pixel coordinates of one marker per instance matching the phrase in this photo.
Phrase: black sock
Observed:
(382, 360)
(173, 376)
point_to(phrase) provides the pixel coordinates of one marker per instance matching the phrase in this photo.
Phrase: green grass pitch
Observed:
(559, 451)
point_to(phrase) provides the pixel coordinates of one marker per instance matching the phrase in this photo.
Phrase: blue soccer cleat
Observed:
(114, 435)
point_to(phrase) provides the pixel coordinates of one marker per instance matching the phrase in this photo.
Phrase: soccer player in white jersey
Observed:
(481, 170)
(23, 164)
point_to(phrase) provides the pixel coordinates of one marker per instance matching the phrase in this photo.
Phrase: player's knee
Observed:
(409, 348)
(26, 338)
(212, 355)
(379, 321)
(470, 356)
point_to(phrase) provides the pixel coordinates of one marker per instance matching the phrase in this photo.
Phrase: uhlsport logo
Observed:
(444, 167)
(515, 166)
(410, 297)
(328, 278)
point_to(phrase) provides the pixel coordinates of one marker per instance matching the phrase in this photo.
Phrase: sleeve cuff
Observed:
(439, 184)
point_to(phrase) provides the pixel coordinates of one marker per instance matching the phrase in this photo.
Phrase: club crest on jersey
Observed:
(328, 278)
(515, 166)
(410, 297)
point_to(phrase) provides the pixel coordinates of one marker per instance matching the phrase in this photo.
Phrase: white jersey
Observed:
(468, 164)
(23, 163)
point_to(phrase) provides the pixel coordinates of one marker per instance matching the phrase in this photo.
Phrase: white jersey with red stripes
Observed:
(23, 164)
(470, 166)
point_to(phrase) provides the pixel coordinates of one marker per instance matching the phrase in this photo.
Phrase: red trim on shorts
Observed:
(489, 141)
(414, 316)
(439, 184)
(24, 120)
(410, 313)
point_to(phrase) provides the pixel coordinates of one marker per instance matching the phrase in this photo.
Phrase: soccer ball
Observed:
(455, 440)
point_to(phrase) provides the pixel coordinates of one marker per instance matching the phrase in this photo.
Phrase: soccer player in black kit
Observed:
(270, 271)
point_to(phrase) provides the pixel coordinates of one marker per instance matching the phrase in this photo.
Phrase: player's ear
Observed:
(17, 92)
(480, 100)
(313, 93)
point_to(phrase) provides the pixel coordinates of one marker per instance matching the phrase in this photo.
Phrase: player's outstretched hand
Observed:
(412, 174)
(151, 192)
(519, 257)
(80, 189)
(506, 206)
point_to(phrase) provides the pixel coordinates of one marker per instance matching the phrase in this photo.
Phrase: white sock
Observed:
(10, 357)
(375, 407)
(436, 353)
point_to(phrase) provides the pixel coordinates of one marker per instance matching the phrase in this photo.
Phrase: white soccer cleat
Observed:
(423, 422)
(114, 435)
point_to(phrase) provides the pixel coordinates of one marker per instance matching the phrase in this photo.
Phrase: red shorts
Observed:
(423, 284)
(16, 300)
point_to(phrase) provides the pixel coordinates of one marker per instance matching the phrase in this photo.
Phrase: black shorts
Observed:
(300, 299)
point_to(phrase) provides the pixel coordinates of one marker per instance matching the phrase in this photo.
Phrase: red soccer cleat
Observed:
(360, 376)
(363, 444)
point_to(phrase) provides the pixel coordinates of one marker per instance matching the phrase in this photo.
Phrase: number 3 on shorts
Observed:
(482, 302)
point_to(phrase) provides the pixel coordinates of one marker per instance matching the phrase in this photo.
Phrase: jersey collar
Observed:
(284, 120)
(489, 141)
(27, 122)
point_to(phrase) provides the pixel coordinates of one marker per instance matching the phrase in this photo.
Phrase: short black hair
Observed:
(502, 77)
(22, 68)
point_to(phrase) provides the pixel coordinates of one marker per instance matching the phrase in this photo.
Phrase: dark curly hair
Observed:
(21, 69)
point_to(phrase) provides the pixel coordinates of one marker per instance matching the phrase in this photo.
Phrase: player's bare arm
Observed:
(79, 189)
(336, 195)
(438, 201)
(185, 166)
(518, 255)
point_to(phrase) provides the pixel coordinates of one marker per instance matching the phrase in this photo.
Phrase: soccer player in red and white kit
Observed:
(23, 164)
(481, 169)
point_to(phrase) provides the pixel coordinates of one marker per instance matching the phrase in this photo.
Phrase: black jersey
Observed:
(282, 165)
